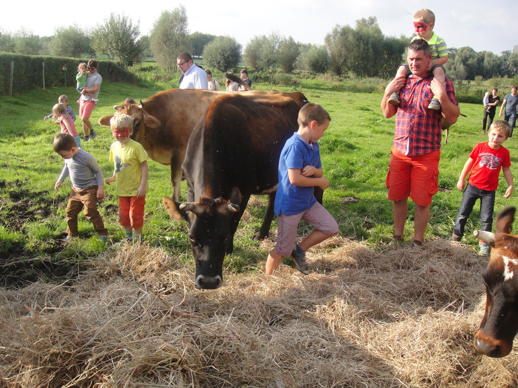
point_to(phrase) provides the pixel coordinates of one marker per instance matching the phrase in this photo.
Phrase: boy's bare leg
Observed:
(438, 73)
(87, 126)
(314, 238)
(128, 229)
(138, 231)
(274, 259)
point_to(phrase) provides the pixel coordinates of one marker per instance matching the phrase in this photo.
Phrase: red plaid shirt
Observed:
(418, 129)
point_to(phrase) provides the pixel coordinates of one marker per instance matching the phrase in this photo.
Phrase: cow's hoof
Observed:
(259, 236)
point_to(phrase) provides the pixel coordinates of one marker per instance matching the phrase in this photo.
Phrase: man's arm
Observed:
(502, 107)
(93, 89)
(394, 86)
(450, 111)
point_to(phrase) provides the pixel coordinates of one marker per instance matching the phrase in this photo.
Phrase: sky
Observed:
(481, 25)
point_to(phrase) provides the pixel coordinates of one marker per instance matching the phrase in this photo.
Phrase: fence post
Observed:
(43, 63)
(11, 80)
(65, 70)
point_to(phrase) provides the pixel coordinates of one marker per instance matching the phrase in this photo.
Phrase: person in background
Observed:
(87, 103)
(244, 77)
(510, 103)
(494, 100)
(213, 84)
(87, 185)
(67, 124)
(231, 86)
(193, 76)
(62, 100)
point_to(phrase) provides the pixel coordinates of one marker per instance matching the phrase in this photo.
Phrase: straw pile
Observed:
(363, 318)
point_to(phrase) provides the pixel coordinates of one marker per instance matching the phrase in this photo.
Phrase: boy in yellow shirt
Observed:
(130, 172)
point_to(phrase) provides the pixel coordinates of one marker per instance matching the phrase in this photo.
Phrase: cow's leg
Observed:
(234, 222)
(319, 194)
(268, 218)
(176, 177)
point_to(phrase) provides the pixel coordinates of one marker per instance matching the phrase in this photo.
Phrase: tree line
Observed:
(362, 51)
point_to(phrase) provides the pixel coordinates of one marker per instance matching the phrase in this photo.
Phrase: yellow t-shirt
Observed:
(128, 160)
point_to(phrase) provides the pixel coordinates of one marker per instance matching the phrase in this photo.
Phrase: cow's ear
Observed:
(504, 222)
(150, 121)
(235, 196)
(173, 210)
(105, 121)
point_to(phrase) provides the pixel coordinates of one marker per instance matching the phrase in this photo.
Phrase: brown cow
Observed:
(500, 324)
(233, 153)
(164, 122)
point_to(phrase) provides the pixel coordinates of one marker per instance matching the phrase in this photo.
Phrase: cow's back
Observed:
(238, 141)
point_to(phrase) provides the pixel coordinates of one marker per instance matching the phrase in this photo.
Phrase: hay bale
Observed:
(363, 317)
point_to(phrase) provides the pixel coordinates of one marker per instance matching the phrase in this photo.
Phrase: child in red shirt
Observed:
(484, 162)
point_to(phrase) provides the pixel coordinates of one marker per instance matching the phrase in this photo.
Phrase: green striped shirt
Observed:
(438, 47)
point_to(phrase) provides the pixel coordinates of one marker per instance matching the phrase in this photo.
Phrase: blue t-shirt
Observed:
(297, 154)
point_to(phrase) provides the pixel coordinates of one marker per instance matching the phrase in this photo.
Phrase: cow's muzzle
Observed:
(208, 282)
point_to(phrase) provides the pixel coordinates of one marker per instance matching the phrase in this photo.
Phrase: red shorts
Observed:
(413, 176)
(86, 108)
(131, 211)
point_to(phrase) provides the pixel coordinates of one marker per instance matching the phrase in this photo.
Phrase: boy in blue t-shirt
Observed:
(300, 169)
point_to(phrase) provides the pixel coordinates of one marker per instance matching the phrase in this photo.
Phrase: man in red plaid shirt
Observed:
(414, 165)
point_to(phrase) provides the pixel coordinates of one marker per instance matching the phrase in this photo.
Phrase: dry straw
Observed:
(363, 318)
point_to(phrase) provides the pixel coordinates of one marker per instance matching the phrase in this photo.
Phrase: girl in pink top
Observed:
(66, 122)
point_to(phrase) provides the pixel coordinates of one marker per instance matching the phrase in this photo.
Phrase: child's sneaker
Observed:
(485, 249)
(95, 99)
(93, 135)
(394, 99)
(300, 261)
(434, 104)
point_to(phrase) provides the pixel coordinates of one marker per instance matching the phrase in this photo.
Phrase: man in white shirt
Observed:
(193, 76)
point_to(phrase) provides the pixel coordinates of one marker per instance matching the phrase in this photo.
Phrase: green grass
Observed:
(355, 153)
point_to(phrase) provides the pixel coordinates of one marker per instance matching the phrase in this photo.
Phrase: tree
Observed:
(253, 52)
(25, 42)
(117, 38)
(6, 42)
(223, 53)
(146, 45)
(318, 58)
(199, 41)
(169, 37)
(70, 41)
(288, 53)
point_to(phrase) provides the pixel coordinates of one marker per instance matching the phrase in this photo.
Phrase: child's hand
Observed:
(508, 192)
(100, 193)
(309, 170)
(324, 183)
(460, 185)
(141, 191)
(45, 118)
(57, 185)
(110, 180)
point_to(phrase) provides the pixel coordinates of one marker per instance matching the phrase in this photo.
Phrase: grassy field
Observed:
(89, 314)
(355, 152)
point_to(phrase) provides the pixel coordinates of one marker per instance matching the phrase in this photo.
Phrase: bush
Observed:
(28, 72)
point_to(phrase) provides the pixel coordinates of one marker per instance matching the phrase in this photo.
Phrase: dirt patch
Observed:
(21, 263)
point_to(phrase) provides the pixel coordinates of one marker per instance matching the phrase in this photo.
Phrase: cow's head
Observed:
(141, 119)
(209, 233)
(500, 324)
